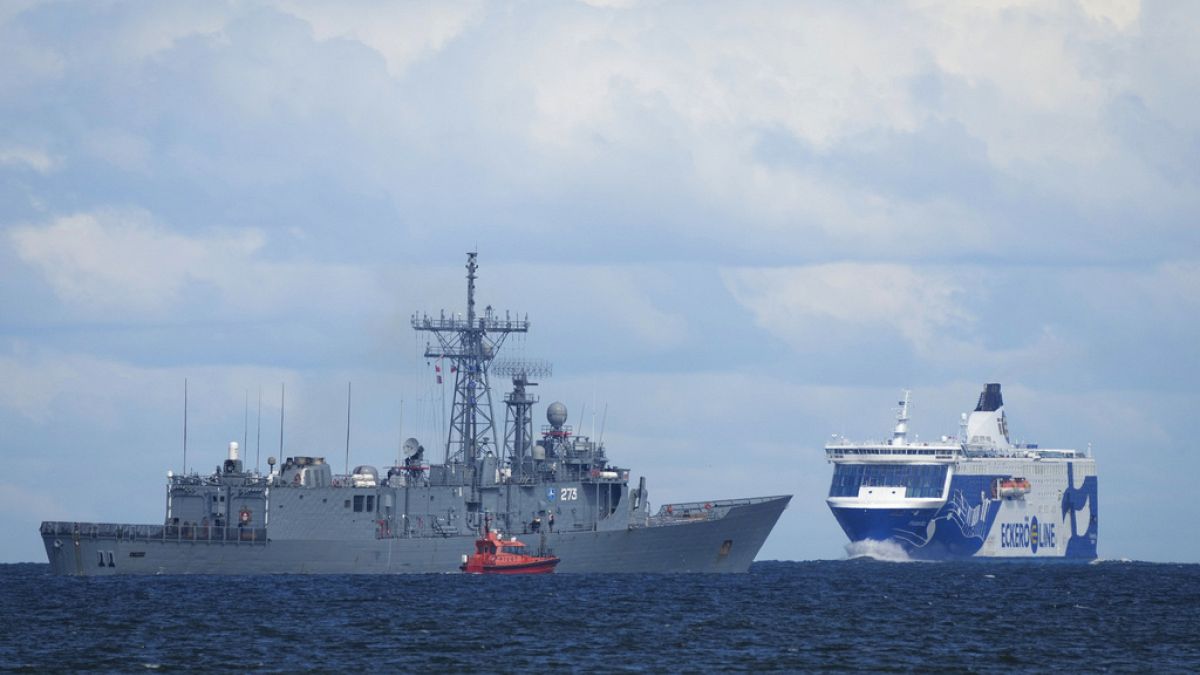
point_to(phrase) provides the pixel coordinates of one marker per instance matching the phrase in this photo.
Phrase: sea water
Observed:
(790, 616)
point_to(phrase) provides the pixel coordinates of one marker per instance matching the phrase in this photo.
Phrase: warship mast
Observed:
(469, 345)
(518, 420)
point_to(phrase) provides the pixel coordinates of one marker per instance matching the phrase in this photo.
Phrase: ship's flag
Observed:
(437, 368)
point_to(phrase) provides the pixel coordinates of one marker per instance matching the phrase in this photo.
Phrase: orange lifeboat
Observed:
(494, 555)
(1013, 488)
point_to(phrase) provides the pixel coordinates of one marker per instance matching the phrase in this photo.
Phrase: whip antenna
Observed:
(348, 428)
(185, 407)
(282, 400)
(258, 441)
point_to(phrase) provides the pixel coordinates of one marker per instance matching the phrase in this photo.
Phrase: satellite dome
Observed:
(411, 445)
(556, 414)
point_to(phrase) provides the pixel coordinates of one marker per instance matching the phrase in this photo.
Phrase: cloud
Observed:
(624, 299)
(1090, 326)
(123, 260)
(27, 60)
(911, 133)
(403, 34)
(1120, 13)
(38, 160)
(922, 307)
(31, 385)
(627, 312)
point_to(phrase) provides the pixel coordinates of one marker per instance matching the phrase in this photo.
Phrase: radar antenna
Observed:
(469, 344)
(518, 420)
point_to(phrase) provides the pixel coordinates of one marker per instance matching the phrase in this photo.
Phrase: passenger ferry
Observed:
(977, 495)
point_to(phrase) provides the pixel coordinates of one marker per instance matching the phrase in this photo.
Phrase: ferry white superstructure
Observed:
(976, 495)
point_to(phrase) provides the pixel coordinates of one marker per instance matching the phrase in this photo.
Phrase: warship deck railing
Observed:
(126, 532)
(685, 512)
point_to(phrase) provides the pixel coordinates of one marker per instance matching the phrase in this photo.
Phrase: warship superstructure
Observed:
(419, 516)
(975, 495)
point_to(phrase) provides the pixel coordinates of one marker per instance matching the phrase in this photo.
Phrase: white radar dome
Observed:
(556, 414)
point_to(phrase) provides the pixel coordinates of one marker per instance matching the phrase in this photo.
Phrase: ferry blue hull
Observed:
(972, 524)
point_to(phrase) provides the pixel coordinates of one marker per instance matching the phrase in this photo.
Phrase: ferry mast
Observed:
(469, 345)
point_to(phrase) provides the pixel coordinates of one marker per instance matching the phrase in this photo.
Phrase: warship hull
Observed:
(558, 487)
(719, 536)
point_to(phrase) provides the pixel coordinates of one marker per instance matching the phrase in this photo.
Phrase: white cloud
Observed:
(155, 28)
(1145, 300)
(679, 99)
(821, 74)
(1111, 325)
(122, 261)
(26, 59)
(799, 303)
(617, 297)
(38, 160)
(402, 33)
(1120, 13)
(660, 108)
(31, 385)
(44, 385)
(614, 304)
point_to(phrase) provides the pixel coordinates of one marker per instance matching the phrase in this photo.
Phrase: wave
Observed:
(883, 550)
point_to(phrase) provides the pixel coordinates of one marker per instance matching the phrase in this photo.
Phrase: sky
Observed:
(736, 227)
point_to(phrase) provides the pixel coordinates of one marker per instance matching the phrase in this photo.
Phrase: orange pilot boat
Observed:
(494, 555)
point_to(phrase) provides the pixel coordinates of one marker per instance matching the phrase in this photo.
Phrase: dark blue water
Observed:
(857, 614)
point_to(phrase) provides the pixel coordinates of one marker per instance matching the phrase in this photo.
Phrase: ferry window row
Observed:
(918, 480)
(892, 451)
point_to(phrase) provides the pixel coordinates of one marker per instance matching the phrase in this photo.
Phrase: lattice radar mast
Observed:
(469, 344)
(518, 420)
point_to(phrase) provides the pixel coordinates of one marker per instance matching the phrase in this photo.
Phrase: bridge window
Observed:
(358, 503)
(370, 503)
(923, 481)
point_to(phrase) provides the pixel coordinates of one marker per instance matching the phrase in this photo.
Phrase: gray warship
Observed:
(556, 490)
